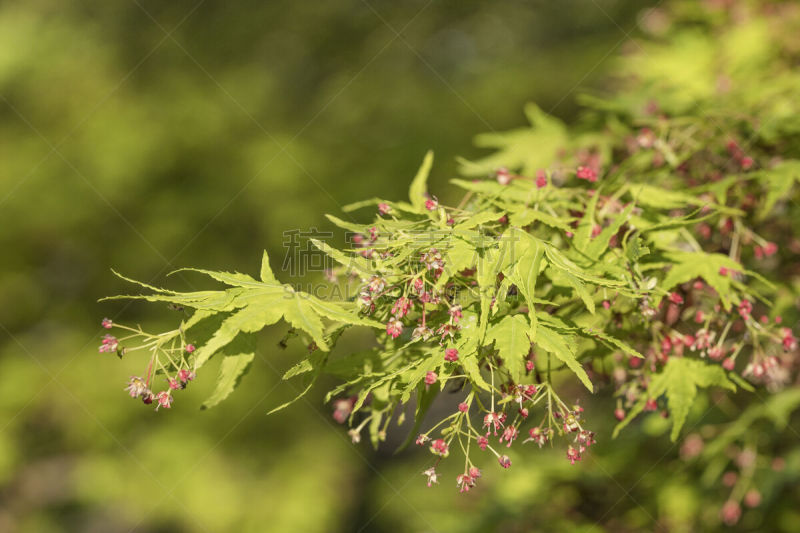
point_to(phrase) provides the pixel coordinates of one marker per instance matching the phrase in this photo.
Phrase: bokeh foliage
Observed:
(124, 145)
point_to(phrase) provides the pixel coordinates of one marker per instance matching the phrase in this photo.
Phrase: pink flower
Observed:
(451, 355)
(431, 204)
(186, 375)
(789, 341)
(745, 308)
(401, 306)
(573, 455)
(729, 364)
(676, 298)
(421, 332)
(376, 284)
(504, 461)
(503, 176)
(455, 313)
(106, 323)
(541, 178)
(646, 138)
(136, 387)
(619, 413)
(483, 442)
(432, 476)
(422, 439)
(730, 512)
(342, 409)
(440, 448)
(394, 328)
(493, 421)
(109, 344)
(463, 407)
(586, 173)
(164, 400)
(509, 434)
(174, 384)
(190, 348)
(529, 365)
(465, 482)
(384, 209)
(430, 378)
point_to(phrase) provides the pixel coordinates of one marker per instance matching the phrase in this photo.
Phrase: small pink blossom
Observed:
(745, 308)
(431, 204)
(573, 455)
(433, 477)
(394, 328)
(483, 442)
(439, 447)
(422, 439)
(451, 355)
(464, 482)
(401, 306)
(541, 178)
(504, 461)
(342, 409)
(586, 173)
(430, 378)
(384, 209)
(136, 387)
(509, 434)
(106, 323)
(190, 348)
(108, 344)
(164, 400)
(186, 375)
(503, 176)
(174, 384)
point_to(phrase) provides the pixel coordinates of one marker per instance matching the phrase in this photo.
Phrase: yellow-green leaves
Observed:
(523, 149)
(419, 186)
(232, 368)
(510, 337)
(563, 348)
(679, 381)
(687, 266)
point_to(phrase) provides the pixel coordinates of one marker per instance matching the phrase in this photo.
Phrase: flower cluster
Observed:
(169, 357)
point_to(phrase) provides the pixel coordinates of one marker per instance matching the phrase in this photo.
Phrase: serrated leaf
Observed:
(419, 186)
(231, 370)
(691, 265)
(559, 345)
(524, 149)
(598, 245)
(510, 337)
(779, 180)
(679, 381)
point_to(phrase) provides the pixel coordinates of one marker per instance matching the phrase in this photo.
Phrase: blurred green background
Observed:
(148, 135)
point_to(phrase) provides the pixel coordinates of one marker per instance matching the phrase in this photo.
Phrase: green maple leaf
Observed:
(563, 348)
(688, 266)
(523, 149)
(249, 305)
(679, 381)
(511, 340)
